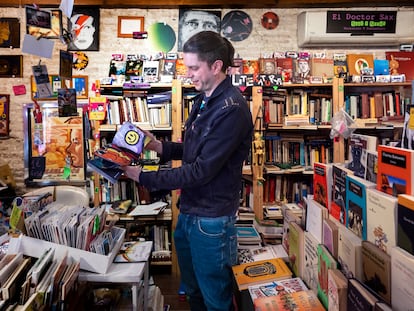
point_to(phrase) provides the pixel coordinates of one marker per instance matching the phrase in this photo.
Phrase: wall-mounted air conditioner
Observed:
(312, 32)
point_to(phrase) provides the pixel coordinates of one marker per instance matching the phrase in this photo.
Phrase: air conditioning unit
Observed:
(312, 32)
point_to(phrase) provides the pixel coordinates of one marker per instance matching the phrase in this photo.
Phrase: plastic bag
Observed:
(341, 124)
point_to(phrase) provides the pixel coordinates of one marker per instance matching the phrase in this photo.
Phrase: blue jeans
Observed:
(206, 250)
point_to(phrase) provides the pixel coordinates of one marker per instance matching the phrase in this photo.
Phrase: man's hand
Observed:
(132, 172)
(153, 144)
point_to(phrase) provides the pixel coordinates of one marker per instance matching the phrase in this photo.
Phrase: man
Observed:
(84, 30)
(194, 21)
(217, 140)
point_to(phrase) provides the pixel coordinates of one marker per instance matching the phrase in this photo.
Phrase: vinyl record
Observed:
(270, 20)
(80, 60)
(162, 37)
(236, 25)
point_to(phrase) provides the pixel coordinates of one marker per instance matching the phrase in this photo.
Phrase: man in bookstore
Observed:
(217, 140)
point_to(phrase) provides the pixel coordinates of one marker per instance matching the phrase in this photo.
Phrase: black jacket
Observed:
(216, 142)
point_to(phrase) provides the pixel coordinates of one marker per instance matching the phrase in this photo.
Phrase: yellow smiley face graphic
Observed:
(131, 138)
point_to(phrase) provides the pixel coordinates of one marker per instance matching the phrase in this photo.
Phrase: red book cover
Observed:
(405, 62)
(285, 68)
(272, 190)
(395, 170)
(322, 183)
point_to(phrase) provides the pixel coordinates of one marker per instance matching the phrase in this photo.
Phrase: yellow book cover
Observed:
(262, 271)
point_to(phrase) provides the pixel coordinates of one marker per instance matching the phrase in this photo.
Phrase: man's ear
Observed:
(217, 66)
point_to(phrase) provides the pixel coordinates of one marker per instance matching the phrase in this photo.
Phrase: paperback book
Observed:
(275, 288)
(302, 300)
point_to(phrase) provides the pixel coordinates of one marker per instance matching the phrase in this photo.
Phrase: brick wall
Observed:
(260, 42)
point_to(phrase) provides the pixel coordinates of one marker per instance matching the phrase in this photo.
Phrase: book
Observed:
(405, 222)
(359, 297)
(381, 219)
(302, 300)
(358, 62)
(404, 63)
(150, 70)
(310, 273)
(150, 209)
(322, 183)
(134, 251)
(258, 272)
(371, 165)
(315, 213)
(395, 170)
(322, 67)
(330, 236)
(358, 143)
(407, 140)
(275, 288)
(247, 234)
(120, 206)
(108, 170)
(338, 202)
(376, 268)
(250, 254)
(349, 253)
(337, 290)
(296, 248)
(285, 68)
(325, 262)
(340, 65)
(402, 279)
(356, 205)
(288, 217)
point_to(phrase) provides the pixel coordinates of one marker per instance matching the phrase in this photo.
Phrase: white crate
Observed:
(88, 261)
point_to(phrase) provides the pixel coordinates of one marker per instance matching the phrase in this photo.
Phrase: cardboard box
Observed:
(88, 261)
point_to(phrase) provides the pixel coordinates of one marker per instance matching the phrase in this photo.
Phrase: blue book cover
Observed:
(356, 205)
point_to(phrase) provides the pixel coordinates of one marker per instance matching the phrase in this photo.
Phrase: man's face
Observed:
(197, 21)
(201, 75)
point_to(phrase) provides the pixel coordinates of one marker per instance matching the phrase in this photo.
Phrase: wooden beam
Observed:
(217, 3)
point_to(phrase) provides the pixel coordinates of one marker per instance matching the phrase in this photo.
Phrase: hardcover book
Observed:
(376, 267)
(349, 253)
(302, 300)
(381, 219)
(325, 262)
(338, 202)
(315, 213)
(330, 236)
(258, 272)
(359, 297)
(405, 61)
(358, 143)
(356, 205)
(402, 279)
(275, 288)
(405, 223)
(322, 183)
(358, 62)
(322, 67)
(337, 290)
(296, 249)
(310, 273)
(395, 170)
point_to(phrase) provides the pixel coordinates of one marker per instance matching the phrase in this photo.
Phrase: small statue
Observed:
(258, 154)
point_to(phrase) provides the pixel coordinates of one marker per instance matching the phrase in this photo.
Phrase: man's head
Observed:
(207, 56)
(193, 21)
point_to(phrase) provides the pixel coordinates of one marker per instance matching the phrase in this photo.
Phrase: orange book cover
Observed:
(251, 66)
(395, 170)
(262, 271)
(301, 301)
(357, 62)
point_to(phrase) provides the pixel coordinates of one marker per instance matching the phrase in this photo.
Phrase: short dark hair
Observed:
(211, 46)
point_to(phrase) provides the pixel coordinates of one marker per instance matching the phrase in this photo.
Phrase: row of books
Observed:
(34, 284)
(341, 269)
(284, 150)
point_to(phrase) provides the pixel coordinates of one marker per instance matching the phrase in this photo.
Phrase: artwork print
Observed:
(84, 27)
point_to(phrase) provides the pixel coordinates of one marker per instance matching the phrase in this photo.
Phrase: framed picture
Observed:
(55, 30)
(4, 115)
(84, 25)
(65, 64)
(11, 66)
(10, 37)
(38, 18)
(80, 84)
(55, 84)
(127, 25)
(51, 144)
